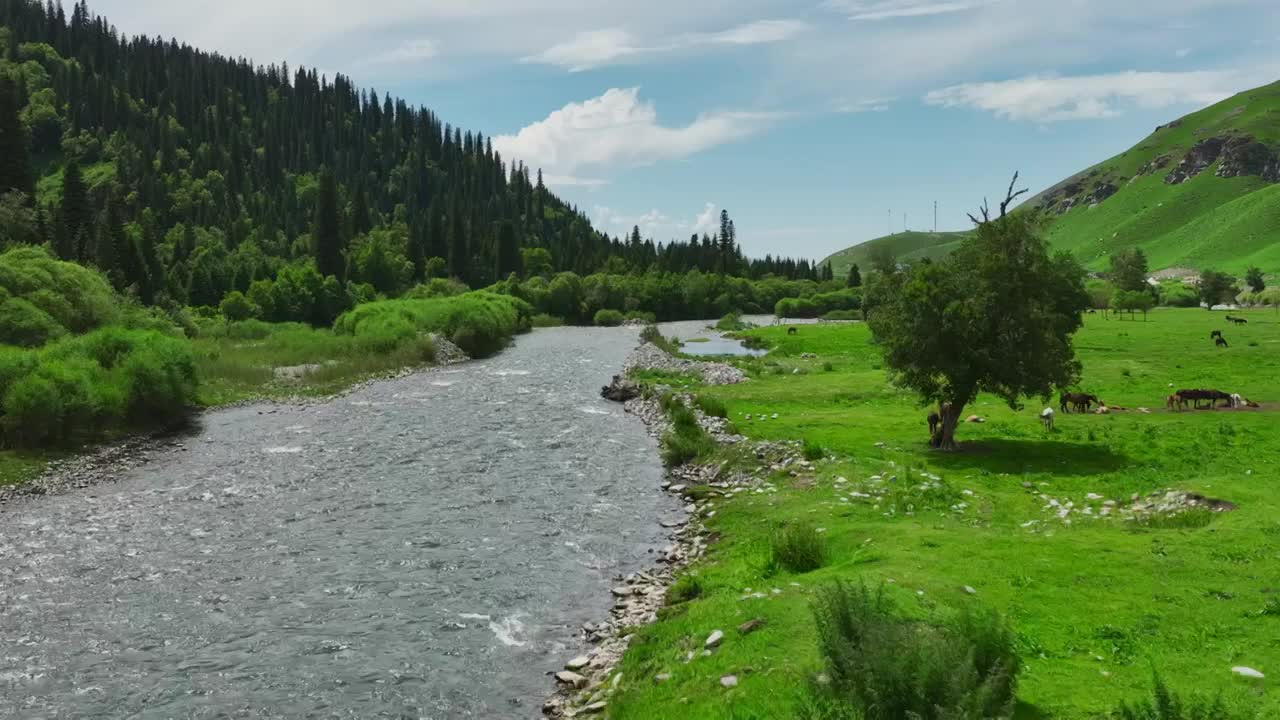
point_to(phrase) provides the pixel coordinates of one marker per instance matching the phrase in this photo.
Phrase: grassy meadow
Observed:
(1096, 604)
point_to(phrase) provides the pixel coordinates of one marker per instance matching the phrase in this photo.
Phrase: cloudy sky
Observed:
(816, 123)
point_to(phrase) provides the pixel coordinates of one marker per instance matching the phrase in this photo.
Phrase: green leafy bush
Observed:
(236, 307)
(543, 320)
(884, 667)
(82, 388)
(50, 293)
(609, 318)
(26, 325)
(813, 450)
(797, 549)
(480, 323)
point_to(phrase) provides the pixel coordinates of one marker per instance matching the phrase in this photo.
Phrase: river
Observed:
(425, 547)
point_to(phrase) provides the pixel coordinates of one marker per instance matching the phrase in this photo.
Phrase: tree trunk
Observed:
(945, 437)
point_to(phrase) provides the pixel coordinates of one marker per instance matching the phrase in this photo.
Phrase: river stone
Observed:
(1248, 672)
(571, 678)
(578, 663)
(595, 707)
(729, 681)
(969, 590)
(662, 677)
(713, 640)
(622, 592)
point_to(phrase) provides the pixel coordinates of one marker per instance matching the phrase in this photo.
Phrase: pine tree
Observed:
(77, 213)
(15, 158)
(418, 251)
(459, 257)
(855, 277)
(327, 234)
(508, 251)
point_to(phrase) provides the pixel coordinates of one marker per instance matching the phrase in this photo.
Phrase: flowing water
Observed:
(425, 547)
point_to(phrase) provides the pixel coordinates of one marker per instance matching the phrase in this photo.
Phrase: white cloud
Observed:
(754, 33)
(578, 142)
(889, 9)
(412, 51)
(707, 220)
(1182, 52)
(851, 107)
(589, 49)
(656, 224)
(1046, 98)
(597, 48)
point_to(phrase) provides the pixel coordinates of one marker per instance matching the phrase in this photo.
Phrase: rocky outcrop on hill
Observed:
(1240, 155)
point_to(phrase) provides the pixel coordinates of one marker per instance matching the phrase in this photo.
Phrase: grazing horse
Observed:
(1215, 334)
(1236, 401)
(1046, 417)
(934, 421)
(1080, 402)
(1221, 342)
(1175, 402)
(1241, 321)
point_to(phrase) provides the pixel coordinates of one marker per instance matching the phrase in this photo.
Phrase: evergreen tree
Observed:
(418, 251)
(327, 234)
(15, 159)
(855, 277)
(508, 251)
(459, 258)
(77, 213)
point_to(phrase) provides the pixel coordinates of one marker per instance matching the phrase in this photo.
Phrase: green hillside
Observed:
(905, 246)
(1200, 192)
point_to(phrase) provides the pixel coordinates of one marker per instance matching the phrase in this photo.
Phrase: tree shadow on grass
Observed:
(1031, 456)
(1027, 711)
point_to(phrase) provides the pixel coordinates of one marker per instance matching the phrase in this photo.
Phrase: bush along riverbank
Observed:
(82, 365)
(1093, 569)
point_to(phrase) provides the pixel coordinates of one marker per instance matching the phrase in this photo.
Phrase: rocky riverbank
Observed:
(651, 357)
(585, 684)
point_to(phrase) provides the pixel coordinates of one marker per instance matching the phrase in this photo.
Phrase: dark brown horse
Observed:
(1080, 402)
(1221, 342)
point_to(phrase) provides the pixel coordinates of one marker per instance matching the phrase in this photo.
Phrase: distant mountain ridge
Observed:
(1200, 192)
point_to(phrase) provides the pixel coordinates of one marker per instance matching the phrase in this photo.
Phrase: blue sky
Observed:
(816, 123)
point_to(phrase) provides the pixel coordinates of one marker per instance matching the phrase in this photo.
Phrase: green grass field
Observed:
(1096, 605)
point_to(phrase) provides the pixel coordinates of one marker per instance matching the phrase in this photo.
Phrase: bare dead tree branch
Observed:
(1010, 195)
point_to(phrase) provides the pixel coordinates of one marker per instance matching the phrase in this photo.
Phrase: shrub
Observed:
(712, 407)
(236, 307)
(76, 298)
(644, 317)
(883, 667)
(543, 320)
(84, 387)
(813, 450)
(480, 323)
(797, 549)
(843, 315)
(26, 325)
(686, 441)
(1164, 704)
(732, 323)
(828, 367)
(609, 318)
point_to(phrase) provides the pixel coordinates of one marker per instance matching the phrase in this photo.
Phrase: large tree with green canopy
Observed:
(996, 316)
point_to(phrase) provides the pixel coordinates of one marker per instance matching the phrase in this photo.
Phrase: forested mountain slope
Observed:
(185, 175)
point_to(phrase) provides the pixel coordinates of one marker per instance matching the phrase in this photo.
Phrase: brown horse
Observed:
(1221, 342)
(1175, 402)
(1080, 402)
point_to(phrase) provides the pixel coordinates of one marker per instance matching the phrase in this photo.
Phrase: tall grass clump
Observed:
(1164, 704)
(712, 406)
(813, 450)
(686, 441)
(650, 334)
(797, 549)
(687, 587)
(885, 667)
